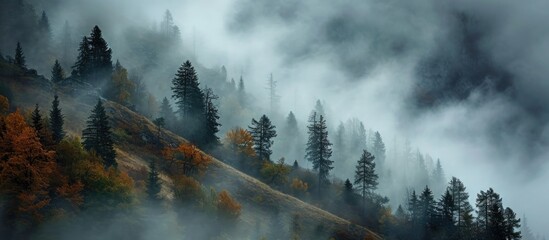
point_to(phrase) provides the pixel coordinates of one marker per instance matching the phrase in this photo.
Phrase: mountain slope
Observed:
(133, 135)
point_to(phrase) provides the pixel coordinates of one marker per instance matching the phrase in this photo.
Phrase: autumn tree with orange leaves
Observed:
(186, 159)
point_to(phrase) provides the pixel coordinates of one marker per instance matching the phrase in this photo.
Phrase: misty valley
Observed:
(268, 120)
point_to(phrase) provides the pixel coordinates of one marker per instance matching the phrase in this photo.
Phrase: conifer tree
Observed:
(413, 208)
(319, 148)
(241, 92)
(427, 209)
(445, 213)
(100, 57)
(167, 113)
(189, 99)
(349, 192)
(56, 121)
(512, 224)
(379, 150)
(212, 119)
(485, 202)
(44, 26)
(438, 177)
(97, 136)
(154, 184)
(37, 122)
(263, 132)
(57, 73)
(19, 57)
(462, 207)
(83, 62)
(365, 176)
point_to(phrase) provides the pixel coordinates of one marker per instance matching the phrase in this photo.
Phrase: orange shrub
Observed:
(187, 189)
(299, 186)
(227, 205)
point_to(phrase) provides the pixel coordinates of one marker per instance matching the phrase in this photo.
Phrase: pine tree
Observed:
(154, 184)
(57, 73)
(496, 227)
(365, 176)
(414, 208)
(97, 136)
(446, 214)
(295, 166)
(82, 66)
(379, 150)
(427, 209)
(101, 62)
(262, 132)
(438, 177)
(485, 205)
(44, 26)
(56, 121)
(37, 122)
(241, 92)
(19, 57)
(349, 192)
(512, 224)
(462, 208)
(212, 118)
(167, 113)
(319, 148)
(189, 99)
(273, 95)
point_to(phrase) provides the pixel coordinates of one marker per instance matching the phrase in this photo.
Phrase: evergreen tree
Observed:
(82, 66)
(189, 99)
(462, 208)
(349, 192)
(56, 121)
(414, 208)
(512, 224)
(262, 132)
(19, 57)
(36, 120)
(57, 73)
(241, 92)
(496, 227)
(44, 26)
(154, 184)
(438, 177)
(365, 176)
(66, 43)
(212, 118)
(241, 87)
(97, 135)
(427, 211)
(167, 113)
(446, 213)
(485, 205)
(296, 165)
(101, 62)
(319, 109)
(379, 150)
(273, 95)
(319, 148)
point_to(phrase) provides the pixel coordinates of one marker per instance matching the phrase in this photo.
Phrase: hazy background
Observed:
(465, 81)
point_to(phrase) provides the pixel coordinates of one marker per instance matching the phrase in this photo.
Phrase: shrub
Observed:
(227, 205)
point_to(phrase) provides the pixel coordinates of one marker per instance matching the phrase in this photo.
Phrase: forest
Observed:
(131, 134)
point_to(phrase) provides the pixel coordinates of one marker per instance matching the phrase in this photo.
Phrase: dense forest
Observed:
(93, 149)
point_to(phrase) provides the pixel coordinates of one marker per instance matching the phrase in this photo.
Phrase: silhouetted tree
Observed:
(365, 176)
(19, 57)
(189, 99)
(379, 150)
(167, 113)
(97, 135)
(427, 212)
(512, 224)
(57, 73)
(462, 207)
(348, 192)
(56, 121)
(319, 148)
(100, 57)
(82, 66)
(212, 119)
(262, 132)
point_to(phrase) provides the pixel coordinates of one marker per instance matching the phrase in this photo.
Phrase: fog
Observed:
(361, 58)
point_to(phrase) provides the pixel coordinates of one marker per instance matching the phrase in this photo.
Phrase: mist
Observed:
(464, 81)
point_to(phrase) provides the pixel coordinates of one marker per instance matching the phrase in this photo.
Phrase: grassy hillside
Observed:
(134, 135)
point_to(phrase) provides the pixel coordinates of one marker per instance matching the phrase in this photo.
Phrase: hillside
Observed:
(134, 134)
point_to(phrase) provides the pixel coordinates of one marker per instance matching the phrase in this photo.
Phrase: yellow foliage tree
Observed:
(240, 141)
(275, 173)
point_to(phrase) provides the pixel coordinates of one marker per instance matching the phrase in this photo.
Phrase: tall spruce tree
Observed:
(167, 113)
(462, 208)
(57, 73)
(20, 57)
(427, 210)
(512, 224)
(82, 66)
(319, 148)
(189, 99)
(263, 131)
(44, 27)
(379, 150)
(154, 184)
(365, 176)
(489, 209)
(97, 136)
(212, 119)
(100, 57)
(37, 122)
(445, 210)
(56, 121)
(438, 178)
